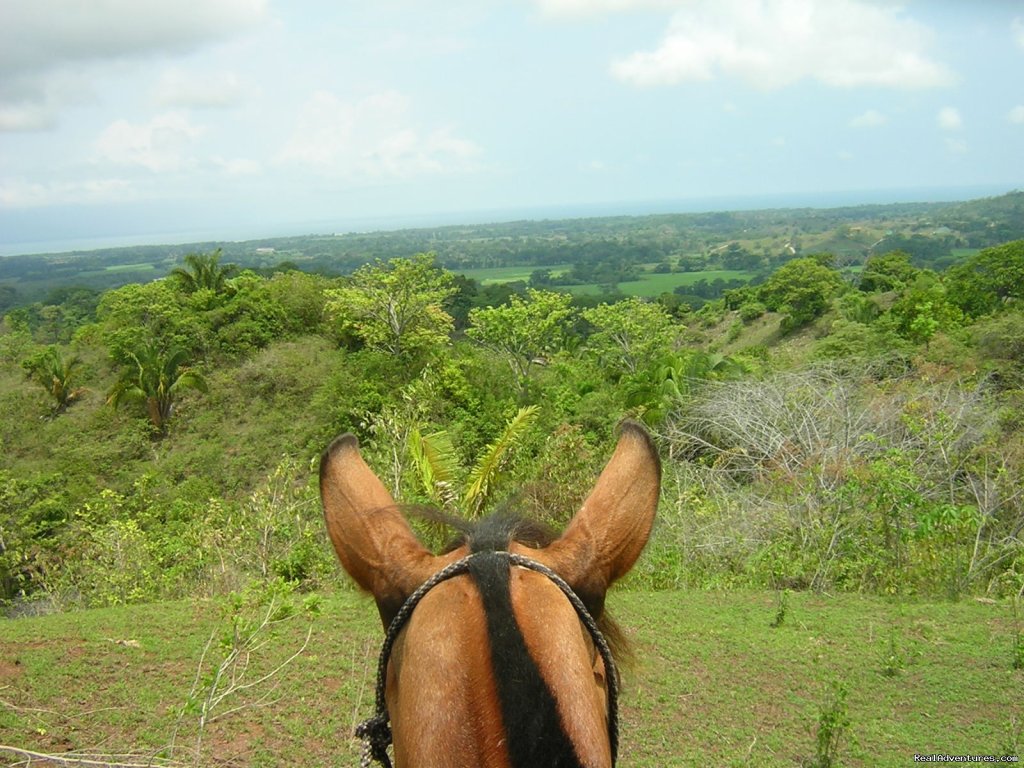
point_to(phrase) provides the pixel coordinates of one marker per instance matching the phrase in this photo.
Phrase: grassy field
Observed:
(713, 683)
(653, 284)
(650, 284)
(509, 274)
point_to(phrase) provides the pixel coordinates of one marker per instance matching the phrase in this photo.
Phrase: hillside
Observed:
(821, 429)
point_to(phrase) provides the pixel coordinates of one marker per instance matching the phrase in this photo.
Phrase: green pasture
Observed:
(113, 269)
(712, 682)
(509, 274)
(653, 284)
(650, 284)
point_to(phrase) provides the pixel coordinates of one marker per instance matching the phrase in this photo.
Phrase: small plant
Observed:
(1018, 638)
(1014, 737)
(893, 663)
(230, 685)
(782, 610)
(833, 728)
(58, 375)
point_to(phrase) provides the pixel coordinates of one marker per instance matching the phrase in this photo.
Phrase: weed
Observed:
(833, 728)
(782, 610)
(1014, 737)
(1018, 638)
(893, 663)
(231, 685)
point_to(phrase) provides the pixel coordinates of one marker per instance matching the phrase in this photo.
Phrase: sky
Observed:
(154, 120)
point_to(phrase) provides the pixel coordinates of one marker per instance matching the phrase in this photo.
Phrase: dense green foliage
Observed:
(818, 431)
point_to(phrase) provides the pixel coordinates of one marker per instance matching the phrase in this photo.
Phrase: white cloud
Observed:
(23, 194)
(41, 34)
(372, 138)
(949, 119)
(198, 91)
(44, 43)
(871, 118)
(1017, 30)
(1016, 115)
(956, 146)
(774, 43)
(563, 8)
(237, 166)
(26, 116)
(160, 146)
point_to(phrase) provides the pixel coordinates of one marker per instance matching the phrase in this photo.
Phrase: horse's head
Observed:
(495, 666)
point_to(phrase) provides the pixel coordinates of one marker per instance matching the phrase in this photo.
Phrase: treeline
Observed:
(931, 233)
(816, 432)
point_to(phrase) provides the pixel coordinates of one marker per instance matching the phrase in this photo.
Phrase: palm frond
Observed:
(485, 474)
(436, 463)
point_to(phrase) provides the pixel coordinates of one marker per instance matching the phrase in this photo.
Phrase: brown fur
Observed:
(441, 688)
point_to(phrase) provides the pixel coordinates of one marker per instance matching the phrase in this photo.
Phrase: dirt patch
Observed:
(9, 670)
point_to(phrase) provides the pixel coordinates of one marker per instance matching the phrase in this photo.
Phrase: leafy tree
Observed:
(203, 271)
(923, 310)
(988, 279)
(890, 271)
(8, 297)
(56, 374)
(250, 319)
(301, 297)
(631, 334)
(1001, 338)
(524, 331)
(541, 278)
(802, 289)
(156, 379)
(396, 307)
(155, 311)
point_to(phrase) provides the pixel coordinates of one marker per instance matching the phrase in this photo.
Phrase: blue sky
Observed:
(163, 119)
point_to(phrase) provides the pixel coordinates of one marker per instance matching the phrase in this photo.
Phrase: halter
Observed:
(376, 731)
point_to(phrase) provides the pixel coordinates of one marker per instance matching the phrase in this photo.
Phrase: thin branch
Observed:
(87, 759)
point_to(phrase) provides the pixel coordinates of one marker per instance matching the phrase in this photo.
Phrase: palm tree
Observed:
(665, 386)
(56, 374)
(203, 271)
(438, 466)
(155, 379)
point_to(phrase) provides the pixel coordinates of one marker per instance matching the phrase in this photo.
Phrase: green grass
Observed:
(509, 274)
(652, 284)
(713, 682)
(144, 270)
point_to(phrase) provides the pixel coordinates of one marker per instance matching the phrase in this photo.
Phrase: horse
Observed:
(493, 657)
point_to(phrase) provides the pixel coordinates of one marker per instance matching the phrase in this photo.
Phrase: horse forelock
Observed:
(538, 665)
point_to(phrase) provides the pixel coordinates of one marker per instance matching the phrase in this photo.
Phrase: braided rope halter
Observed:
(376, 731)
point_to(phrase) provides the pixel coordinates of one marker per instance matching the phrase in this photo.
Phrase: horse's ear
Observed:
(610, 530)
(373, 540)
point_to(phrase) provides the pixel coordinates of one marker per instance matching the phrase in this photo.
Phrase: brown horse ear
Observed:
(610, 530)
(373, 540)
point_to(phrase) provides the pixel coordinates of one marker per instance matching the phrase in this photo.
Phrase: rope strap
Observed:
(376, 731)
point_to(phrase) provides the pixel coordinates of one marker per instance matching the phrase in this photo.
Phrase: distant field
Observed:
(652, 285)
(509, 274)
(649, 285)
(963, 253)
(118, 268)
